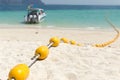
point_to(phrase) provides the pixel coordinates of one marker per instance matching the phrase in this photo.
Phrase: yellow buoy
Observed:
(65, 40)
(19, 72)
(72, 42)
(97, 45)
(55, 41)
(42, 51)
(79, 44)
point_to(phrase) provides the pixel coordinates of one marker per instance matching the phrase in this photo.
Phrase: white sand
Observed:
(65, 62)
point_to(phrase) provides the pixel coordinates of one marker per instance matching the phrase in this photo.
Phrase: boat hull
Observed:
(32, 19)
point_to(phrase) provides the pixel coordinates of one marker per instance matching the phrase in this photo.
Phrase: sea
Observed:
(80, 17)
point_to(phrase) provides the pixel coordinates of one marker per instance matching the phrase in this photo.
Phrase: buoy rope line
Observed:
(110, 41)
(21, 71)
(65, 40)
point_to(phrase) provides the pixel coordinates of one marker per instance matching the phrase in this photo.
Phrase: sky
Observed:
(83, 2)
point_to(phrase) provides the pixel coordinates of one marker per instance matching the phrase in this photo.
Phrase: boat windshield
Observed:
(35, 10)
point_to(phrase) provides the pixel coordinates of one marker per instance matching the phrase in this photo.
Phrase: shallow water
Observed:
(90, 19)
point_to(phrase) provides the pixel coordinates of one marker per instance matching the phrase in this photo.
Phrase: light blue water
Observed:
(67, 18)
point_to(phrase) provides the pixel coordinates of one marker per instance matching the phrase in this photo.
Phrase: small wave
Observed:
(93, 28)
(50, 26)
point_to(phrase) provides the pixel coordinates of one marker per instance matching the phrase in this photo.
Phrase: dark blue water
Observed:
(59, 7)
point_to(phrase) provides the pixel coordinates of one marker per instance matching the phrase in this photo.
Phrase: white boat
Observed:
(35, 15)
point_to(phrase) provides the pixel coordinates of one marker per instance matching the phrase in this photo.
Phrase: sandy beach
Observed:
(65, 62)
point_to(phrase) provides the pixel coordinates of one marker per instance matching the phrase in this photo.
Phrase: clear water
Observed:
(67, 18)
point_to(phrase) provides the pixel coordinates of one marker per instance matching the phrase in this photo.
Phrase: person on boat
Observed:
(41, 12)
(30, 8)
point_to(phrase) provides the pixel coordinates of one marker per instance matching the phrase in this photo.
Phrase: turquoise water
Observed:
(67, 18)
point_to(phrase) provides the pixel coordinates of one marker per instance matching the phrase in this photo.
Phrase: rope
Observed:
(42, 52)
(111, 41)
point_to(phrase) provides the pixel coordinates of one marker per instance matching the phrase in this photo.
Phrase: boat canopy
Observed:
(35, 10)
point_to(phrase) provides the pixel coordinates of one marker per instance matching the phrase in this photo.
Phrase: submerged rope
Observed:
(65, 40)
(111, 41)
